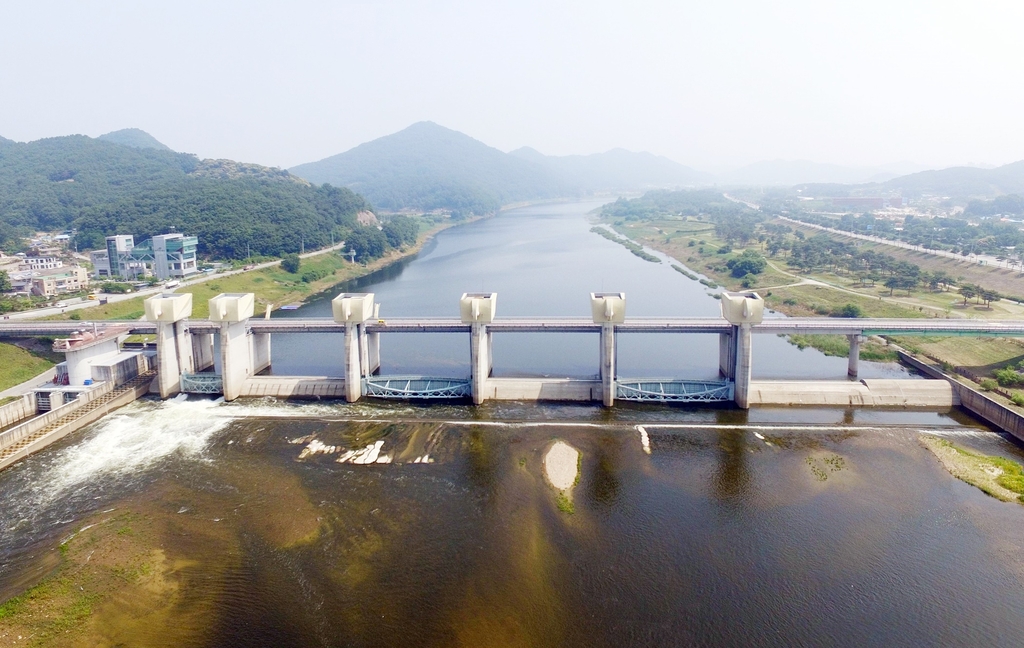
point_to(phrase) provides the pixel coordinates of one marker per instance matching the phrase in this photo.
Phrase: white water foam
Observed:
(134, 439)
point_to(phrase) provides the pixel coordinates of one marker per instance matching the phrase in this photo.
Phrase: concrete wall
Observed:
(866, 393)
(92, 416)
(560, 389)
(974, 401)
(18, 410)
(314, 387)
(28, 428)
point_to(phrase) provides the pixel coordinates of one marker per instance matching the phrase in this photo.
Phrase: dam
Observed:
(228, 353)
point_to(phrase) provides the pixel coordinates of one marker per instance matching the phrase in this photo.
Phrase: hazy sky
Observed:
(707, 83)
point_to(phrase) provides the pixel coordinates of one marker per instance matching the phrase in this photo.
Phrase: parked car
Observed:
(60, 304)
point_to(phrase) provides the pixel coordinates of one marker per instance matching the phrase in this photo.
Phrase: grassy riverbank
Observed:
(22, 364)
(1001, 478)
(795, 292)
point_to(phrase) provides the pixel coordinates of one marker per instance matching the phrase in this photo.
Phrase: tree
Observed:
(747, 263)
(401, 230)
(5, 282)
(368, 243)
(989, 296)
(968, 291)
(290, 263)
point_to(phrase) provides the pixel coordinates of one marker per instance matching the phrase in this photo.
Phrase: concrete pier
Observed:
(742, 310)
(232, 312)
(477, 310)
(608, 309)
(373, 346)
(353, 310)
(852, 366)
(174, 353)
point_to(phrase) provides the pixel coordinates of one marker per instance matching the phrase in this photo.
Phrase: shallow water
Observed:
(718, 536)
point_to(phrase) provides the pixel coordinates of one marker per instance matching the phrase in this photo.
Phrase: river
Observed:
(198, 523)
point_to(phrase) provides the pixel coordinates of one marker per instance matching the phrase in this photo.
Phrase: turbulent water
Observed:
(195, 522)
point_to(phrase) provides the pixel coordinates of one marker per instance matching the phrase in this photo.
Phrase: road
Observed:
(980, 259)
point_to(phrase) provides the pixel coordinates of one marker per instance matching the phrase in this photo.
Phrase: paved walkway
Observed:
(30, 384)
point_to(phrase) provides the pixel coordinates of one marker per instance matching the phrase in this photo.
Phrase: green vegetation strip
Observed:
(996, 476)
(635, 248)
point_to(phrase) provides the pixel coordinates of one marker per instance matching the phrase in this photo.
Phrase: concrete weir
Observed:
(226, 353)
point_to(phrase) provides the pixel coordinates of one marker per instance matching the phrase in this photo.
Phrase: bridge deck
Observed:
(792, 325)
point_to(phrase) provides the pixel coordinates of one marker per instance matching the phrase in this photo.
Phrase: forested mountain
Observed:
(134, 138)
(956, 182)
(617, 169)
(427, 166)
(102, 188)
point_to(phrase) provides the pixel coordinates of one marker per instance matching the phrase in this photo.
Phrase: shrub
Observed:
(988, 384)
(691, 243)
(1018, 400)
(789, 301)
(290, 263)
(848, 310)
(1008, 377)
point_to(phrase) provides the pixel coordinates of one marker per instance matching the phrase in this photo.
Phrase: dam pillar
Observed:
(373, 343)
(727, 354)
(477, 310)
(202, 351)
(354, 310)
(743, 366)
(232, 311)
(743, 310)
(261, 358)
(173, 344)
(608, 309)
(854, 363)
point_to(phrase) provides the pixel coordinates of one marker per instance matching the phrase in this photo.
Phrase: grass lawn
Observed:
(19, 365)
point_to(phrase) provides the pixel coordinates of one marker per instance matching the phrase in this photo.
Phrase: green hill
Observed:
(617, 169)
(427, 166)
(134, 138)
(102, 188)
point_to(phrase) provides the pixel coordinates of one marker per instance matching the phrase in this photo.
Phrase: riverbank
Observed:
(995, 476)
(794, 292)
(272, 285)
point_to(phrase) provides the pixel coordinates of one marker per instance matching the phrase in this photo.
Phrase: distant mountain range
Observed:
(793, 172)
(427, 166)
(954, 182)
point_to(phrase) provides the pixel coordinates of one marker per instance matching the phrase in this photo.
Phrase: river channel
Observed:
(198, 523)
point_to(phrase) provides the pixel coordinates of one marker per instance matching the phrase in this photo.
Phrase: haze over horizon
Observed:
(711, 87)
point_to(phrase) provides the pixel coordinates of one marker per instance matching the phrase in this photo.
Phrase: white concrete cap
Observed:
(742, 307)
(232, 307)
(478, 307)
(168, 307)
(608, 307)
(352, 308)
